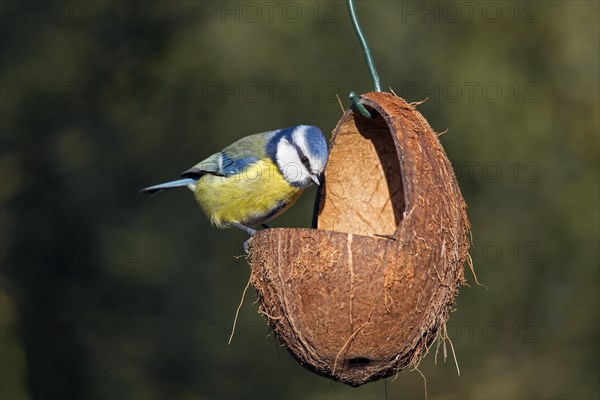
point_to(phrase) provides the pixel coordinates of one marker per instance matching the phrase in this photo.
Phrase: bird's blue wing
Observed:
(211, 165)
(232, 166)
(234, 159)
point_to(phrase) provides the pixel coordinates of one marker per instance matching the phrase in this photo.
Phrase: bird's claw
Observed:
(247, 246)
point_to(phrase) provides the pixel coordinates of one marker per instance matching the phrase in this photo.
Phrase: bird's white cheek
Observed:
(294, 172)
(289, 163)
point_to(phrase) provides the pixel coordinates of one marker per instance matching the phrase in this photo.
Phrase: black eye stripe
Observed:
(303, 158)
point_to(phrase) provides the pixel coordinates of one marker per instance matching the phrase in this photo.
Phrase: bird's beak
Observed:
(315, 179)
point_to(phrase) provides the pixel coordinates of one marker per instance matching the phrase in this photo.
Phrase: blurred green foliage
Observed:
(106, 294)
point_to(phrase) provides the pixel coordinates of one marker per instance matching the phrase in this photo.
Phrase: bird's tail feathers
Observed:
(152, 190)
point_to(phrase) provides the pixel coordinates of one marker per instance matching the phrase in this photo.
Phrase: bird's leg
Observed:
(249, 231)
(246, 229)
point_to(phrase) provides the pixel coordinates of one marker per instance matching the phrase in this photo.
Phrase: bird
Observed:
(256, 178)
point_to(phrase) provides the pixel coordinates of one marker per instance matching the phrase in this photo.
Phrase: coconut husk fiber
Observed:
(365, 295)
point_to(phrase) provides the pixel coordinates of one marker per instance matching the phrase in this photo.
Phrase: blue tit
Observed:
(256, 178)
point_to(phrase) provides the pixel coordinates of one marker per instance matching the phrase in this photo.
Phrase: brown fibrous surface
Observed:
(364, 296)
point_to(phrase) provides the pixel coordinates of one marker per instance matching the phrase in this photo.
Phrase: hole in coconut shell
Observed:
(363, 191)
(359, 362)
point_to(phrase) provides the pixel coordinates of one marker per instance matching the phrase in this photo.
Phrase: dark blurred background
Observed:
(106, 294)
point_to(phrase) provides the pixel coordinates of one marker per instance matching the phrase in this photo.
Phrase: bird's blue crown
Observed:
(317, 145)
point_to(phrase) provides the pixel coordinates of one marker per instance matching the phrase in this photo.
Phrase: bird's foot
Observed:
(249, 231)
(247, 246)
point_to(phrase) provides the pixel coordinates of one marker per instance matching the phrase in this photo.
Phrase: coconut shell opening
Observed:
(365, 197)
(364, 295)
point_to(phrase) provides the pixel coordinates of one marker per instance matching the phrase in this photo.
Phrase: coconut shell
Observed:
(364, 295)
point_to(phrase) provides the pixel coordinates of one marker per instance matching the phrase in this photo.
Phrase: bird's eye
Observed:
(304, 159)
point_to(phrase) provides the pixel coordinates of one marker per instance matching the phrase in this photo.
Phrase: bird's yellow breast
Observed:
(251, 197)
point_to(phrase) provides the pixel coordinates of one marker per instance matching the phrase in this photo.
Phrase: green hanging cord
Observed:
(365, 46)
(370, 63)
(356, 102)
